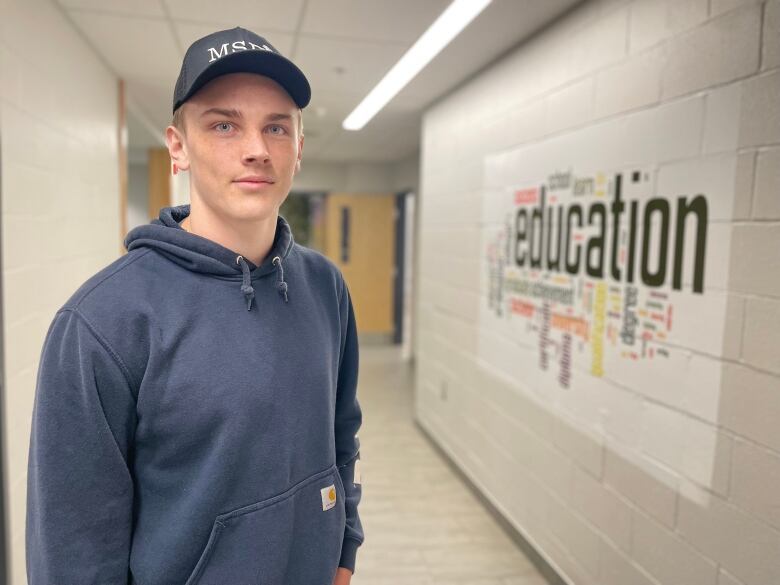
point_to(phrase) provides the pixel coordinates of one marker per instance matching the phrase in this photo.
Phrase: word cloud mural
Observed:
(605, 253)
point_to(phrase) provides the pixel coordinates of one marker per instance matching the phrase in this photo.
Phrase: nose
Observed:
(255, 149)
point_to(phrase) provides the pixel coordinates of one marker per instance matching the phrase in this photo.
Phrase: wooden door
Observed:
(360, 239)
(159, 166)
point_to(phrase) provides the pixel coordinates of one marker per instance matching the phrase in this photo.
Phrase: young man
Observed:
(196, 411)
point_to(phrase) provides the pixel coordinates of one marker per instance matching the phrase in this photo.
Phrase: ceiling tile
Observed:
(398, 21)
(189, 32)
(154, 97)
(325, 114)
(363, 37)
(342, 103)
(367, 147)
(136, 8)
(316, 127)
(265, 15)
(133, 47)
(502, 25)
(313, 146)
(337, 65)
(391, 138)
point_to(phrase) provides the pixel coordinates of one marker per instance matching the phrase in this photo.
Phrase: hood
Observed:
(199, 254)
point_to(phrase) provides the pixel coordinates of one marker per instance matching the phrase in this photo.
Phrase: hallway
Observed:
(423, 526)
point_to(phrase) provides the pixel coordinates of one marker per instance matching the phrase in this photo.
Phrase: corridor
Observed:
(565, 213)
(423, 525)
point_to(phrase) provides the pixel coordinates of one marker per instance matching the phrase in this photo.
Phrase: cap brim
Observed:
(267, 63)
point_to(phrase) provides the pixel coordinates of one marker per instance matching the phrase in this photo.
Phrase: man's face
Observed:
(241, 144)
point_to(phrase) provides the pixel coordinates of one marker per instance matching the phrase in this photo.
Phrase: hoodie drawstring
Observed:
(281, 285)
(246, 285)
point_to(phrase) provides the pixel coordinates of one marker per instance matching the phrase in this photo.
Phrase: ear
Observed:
(177, 148)
(300, 154)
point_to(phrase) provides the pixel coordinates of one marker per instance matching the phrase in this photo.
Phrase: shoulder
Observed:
(117, 292)
(315, 263)
(112, 304)
(112, 281)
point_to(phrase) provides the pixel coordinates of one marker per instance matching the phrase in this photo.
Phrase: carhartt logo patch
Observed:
(328, 497)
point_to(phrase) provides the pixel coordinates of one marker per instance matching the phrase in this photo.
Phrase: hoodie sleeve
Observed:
(348, 421)
(79, 487)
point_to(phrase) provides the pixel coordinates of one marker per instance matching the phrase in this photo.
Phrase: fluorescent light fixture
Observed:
(454, 19)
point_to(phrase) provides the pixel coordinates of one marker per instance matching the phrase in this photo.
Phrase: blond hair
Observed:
(178, 119)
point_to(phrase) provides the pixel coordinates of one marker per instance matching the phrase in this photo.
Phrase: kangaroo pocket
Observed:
(293, 537)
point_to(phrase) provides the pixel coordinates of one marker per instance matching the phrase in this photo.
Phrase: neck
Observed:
(252, 239)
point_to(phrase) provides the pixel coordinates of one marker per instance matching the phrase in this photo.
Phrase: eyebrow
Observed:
(277, 117)
(233, 113)
(222, 112)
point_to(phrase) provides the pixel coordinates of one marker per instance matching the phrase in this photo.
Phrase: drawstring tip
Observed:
(282, 288)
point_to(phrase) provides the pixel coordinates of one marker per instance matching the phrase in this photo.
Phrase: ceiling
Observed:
(343, 46)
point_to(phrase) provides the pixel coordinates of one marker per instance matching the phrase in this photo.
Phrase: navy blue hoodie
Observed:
(195, 420)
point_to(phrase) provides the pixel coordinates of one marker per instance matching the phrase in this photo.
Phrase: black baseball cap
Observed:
(237, 50)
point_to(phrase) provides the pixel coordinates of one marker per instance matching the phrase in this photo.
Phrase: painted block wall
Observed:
(60, 207)
(655, 479)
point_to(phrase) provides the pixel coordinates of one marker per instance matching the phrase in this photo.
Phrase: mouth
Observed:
(255, 180)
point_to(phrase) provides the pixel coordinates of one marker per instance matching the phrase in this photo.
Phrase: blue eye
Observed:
(223, 124)
(275, 129)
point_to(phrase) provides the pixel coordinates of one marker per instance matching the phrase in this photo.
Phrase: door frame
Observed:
(3, 525)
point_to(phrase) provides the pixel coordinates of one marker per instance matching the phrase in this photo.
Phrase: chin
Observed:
(254, 208)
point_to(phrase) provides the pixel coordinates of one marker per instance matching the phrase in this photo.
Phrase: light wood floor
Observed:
(422, 524)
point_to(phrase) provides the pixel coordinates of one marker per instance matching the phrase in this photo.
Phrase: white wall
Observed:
(60, 197)
(406, 174)
(343, 177)
(137, 194)
(180, 188)
(667, 477)
(360, 177)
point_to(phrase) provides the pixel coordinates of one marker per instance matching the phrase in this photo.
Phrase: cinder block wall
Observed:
(60, 207)
(668, 478)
